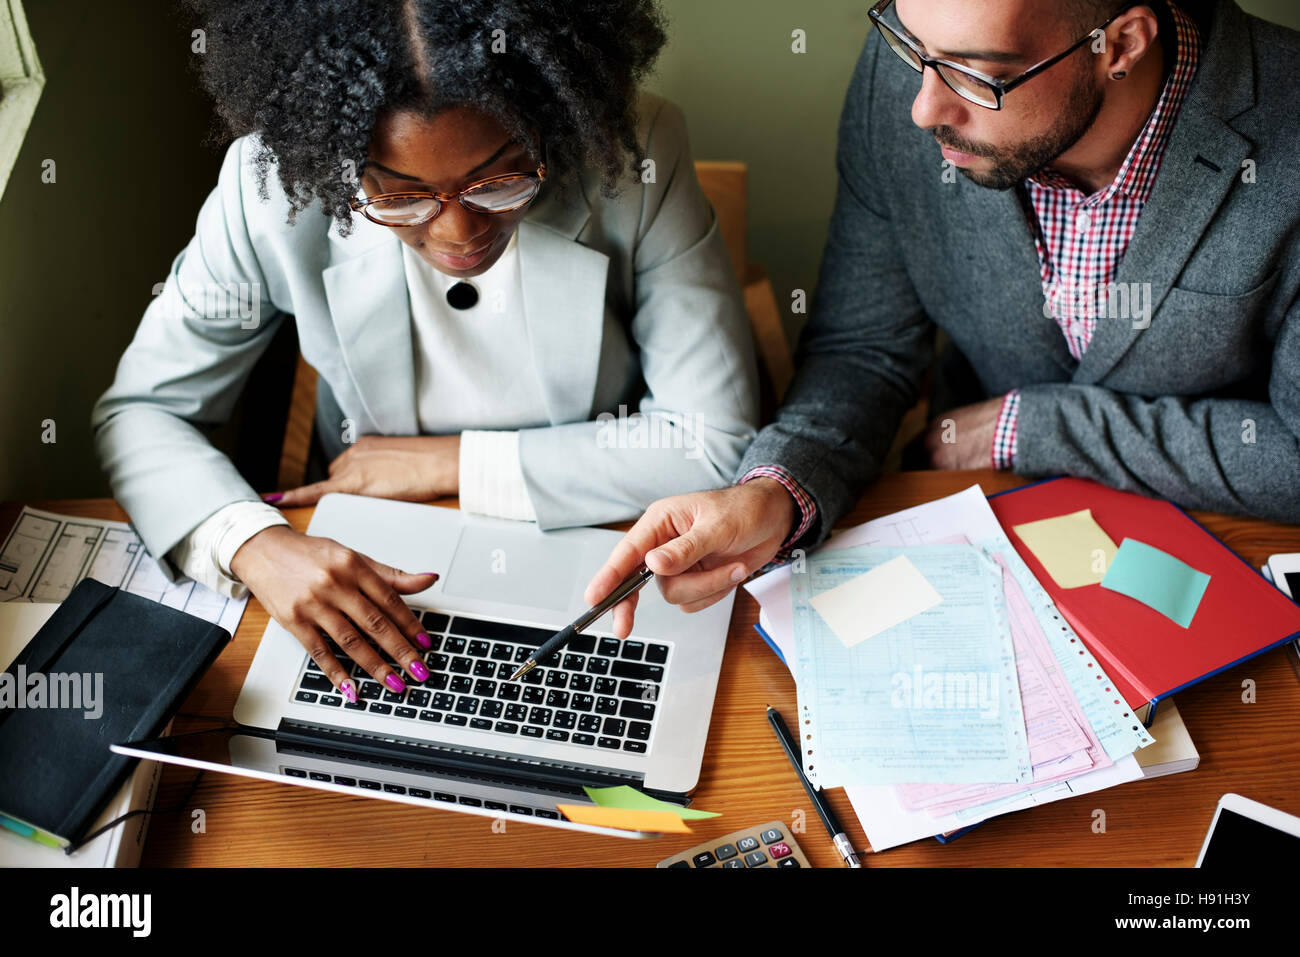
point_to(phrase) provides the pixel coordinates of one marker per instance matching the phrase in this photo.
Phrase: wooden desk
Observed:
(1252, 749)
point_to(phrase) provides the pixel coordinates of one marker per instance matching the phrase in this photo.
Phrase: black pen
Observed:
(842, 842)
(562, 638)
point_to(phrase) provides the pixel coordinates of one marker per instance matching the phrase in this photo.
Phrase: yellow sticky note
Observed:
(1073, 548)
(663, 822)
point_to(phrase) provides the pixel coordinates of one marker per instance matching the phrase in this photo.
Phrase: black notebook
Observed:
(107, 667)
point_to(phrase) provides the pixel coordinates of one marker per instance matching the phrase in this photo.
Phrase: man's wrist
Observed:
(804, 511)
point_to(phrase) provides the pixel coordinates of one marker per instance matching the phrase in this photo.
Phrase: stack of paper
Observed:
(1079, 734)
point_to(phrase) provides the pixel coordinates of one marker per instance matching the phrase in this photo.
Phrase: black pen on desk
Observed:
(842, 842)
(584, 621)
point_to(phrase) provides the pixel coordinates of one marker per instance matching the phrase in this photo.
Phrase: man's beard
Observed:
(1018, 163)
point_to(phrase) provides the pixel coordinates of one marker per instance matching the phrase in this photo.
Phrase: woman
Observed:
(492, 247)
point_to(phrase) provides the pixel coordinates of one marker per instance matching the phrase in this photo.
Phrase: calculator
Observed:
(765, 846)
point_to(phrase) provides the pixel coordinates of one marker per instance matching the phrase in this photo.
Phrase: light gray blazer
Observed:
(628, 301)
(1202, 407)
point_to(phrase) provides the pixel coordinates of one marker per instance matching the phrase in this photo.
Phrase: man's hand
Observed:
(412, 468)
(963, 439)
(700, 546)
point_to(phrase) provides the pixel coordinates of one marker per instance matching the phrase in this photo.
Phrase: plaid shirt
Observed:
(1082, 239)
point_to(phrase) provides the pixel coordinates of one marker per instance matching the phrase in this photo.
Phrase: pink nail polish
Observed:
(423, 641)
(396, 683)
(417, 669)
(349, 691)
(273, 497)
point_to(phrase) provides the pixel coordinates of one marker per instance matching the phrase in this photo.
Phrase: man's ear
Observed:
(1127, 41)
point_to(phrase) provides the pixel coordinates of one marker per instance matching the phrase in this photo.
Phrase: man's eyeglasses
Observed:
(978, 88)
(496, 194)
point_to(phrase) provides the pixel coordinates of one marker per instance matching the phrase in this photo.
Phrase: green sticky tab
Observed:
(1156, 579)
(630, 799)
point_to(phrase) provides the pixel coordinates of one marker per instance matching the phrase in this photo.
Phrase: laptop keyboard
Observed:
(597, 692)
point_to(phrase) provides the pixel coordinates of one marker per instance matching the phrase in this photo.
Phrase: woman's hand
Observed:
(412, 468)
(315, 585)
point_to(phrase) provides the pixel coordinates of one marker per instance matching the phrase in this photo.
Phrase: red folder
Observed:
(1148, 656)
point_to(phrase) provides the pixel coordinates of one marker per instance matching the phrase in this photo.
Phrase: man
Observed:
(1117, 264)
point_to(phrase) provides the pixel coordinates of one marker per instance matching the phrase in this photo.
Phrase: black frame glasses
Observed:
(976, 81)
(465, 197)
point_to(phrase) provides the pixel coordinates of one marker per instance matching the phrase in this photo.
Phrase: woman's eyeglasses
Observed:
(979, 88)
(496, 194)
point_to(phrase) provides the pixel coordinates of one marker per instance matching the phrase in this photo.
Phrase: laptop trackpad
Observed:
(498, 564)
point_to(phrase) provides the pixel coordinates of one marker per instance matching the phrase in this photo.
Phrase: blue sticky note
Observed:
(1156, 579)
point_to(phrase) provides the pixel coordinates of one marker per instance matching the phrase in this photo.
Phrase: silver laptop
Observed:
(601, 713)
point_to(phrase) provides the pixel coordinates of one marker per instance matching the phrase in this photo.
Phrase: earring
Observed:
(1119, 75)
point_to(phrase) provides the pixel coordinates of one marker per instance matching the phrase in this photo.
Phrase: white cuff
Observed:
(492, 478)
(205, 553)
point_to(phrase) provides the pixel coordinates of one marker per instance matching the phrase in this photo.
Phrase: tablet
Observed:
(1285, 570)
(1247, 834)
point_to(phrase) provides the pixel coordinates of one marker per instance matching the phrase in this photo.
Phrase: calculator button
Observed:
(747, 844)
(735, 862)
(679, 864)
(788, 862)
(771, 834)
(755, 859)
(779, 850)
(725, 851)
(703, 859)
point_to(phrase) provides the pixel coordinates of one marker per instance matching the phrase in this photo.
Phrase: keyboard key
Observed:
(462, 684)
(494, 805)
(597, 666)
(582, 702)
(580, 682)
(557, 699)
(533, 677)
(565, 719)
(505, 727)
(639, 730)
(435, 621)
(315, 682)
(378, 708)
(582, 739)
(438, 681)
(329, 699)
(521, 654)
(606, 706)
(354, 706)
(639, 710)
(606, 686)
(306, 697)
(371, 785)
(641, 690)
(520, 809)
(631, 669)
(614, 726)
(574, 662)
(502, 652)
(478, 649)
(552, 660)
(746, 844)
(540, 716)
(453, 645)
(470, 802)
(533, 696)
(703, 859)
(435, 643)
(394, 697)
(417, 697)
(394, 789)
(542, 812)
(499, 631)
(582, 644)
(436, 661)
(460, 665)
(444, 796)
(491, 709)
(637, 747)
(725, 852)
(555, 734)
(404, 713)
(589, 722)
(505, 671)
(556, 679)
(444, 702)
(419, 793)
(609, 647)
(656, 654)
(346, 782)
(771, 835)
(484, 688)
(611, 743)
(370, 690)
(481, 724)
(466, 705)
(516, 712)
(457, 719)
(755, 858)
(531, 731)
(508, 692)
(312, 666)
(483, 668)
(633, 650)
(431, 716)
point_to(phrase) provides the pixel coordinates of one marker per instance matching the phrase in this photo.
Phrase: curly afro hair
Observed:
(311, 77)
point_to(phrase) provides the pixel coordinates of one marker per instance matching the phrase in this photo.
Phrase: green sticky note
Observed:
(1156, 579)
(630, 799)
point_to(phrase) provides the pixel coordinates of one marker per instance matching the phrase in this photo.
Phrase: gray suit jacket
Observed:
(629, 301)
(1202, 407)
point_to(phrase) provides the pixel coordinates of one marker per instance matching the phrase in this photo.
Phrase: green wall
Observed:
(122, 117)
